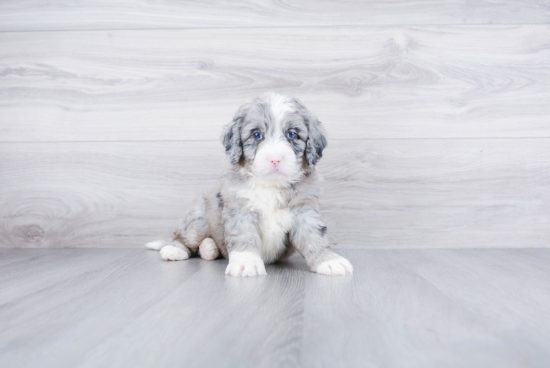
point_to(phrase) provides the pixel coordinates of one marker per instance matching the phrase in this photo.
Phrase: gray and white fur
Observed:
(267, 205)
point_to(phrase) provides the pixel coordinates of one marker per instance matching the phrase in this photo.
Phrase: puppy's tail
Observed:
(157, 244)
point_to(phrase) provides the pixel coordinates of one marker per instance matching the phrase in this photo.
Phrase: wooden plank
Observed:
(68, 263)
(59, 323)
(431, 308)
(10, 255)
(145, 293)
(418, 308)
(100, 14)
(378, 193)
(248, 322)
(362, 82)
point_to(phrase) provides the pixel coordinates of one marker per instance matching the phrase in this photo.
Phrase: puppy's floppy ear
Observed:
(231, 139)
(316, 140)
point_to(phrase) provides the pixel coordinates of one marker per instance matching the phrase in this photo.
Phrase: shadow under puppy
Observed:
(267, 205)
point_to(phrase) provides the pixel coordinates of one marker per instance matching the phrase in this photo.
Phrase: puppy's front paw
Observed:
(171, 253)
(336, 266)
(245, 264)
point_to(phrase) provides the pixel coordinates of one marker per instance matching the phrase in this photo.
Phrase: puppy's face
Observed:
(274, 138)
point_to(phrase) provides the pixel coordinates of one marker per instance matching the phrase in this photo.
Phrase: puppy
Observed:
(267, 205)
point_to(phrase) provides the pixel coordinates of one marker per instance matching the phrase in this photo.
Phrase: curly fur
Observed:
(267, 204)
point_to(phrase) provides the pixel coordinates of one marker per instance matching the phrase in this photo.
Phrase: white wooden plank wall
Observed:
(438, 115)
(42, 15)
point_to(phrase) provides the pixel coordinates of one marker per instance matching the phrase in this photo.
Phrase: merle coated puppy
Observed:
(267, 205)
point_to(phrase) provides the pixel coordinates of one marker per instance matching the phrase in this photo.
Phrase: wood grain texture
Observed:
(377, 194)
(362, 82)
(428, 308)
(431, 308)
(84, 297)
(120, 14)
(15, 284)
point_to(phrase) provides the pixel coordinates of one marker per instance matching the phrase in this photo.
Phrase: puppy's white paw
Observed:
(208, 249)
(156, 245)
(171, 253)
(336, 266)
(245, 264)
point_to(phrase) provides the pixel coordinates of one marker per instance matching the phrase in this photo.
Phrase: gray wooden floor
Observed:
(401, 308)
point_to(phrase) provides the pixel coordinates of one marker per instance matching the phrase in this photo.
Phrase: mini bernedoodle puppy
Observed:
(267, 205)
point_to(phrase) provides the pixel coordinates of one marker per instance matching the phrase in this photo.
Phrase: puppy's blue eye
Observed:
(258, 136)
(290, 134)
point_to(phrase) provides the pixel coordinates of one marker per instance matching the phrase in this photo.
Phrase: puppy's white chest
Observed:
(274, 219)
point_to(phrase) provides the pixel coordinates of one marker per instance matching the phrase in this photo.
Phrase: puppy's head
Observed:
(274, 138)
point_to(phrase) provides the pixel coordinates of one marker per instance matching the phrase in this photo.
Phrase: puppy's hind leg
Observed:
(175, 251)
(190, 233)
(208, 250)
(170, 250)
